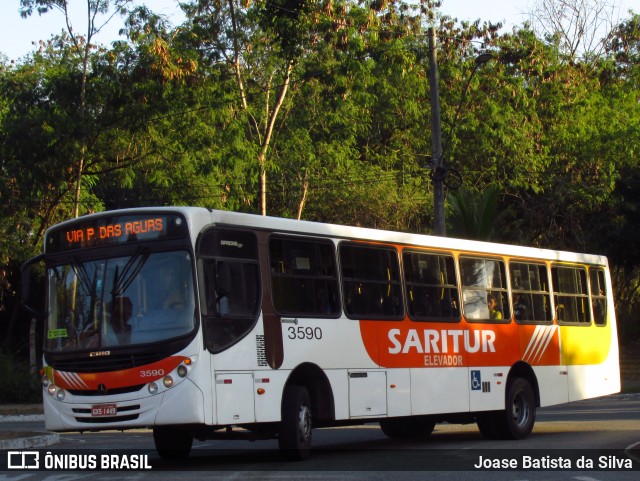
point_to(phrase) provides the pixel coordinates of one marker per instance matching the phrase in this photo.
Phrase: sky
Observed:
(17, 34)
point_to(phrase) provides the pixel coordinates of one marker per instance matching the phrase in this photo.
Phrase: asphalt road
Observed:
(603, 432)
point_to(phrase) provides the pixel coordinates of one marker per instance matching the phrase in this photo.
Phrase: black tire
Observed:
(294, 434)
(416, 427)
(519, 416)
(487, 422)
(172, 443)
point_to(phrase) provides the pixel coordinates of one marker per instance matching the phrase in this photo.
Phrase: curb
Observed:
(25, 440)
(34, 440)
(14, 418)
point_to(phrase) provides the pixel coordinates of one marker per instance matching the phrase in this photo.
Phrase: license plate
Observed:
(104, 410)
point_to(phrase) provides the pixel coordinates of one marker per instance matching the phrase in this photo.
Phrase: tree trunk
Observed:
(262, 156)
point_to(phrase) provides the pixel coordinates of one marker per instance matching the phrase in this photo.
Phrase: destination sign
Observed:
(115, 230)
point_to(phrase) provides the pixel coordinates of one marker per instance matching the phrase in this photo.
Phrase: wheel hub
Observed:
(304, 423)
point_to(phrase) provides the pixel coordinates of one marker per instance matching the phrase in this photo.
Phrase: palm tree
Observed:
(474, 215)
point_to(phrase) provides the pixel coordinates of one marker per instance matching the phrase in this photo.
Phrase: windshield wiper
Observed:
(81, 273)
(122, 281)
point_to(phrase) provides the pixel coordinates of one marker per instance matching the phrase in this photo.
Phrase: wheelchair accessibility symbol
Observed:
(476, 381)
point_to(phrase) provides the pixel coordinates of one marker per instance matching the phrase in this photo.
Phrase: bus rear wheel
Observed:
(488, 422)
(172, 443)
(519, 416)
(417, 427)
(294, 435)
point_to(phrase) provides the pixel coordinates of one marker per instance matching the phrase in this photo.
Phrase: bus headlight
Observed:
(182, 370)
(51, 389)
(167, 381)
(45, 381)
(60, 394)
(153, 388)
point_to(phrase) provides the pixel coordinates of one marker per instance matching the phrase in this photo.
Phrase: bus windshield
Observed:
(121, 301)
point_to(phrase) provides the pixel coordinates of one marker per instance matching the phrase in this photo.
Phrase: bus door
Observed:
(230, 304)
(372, 293)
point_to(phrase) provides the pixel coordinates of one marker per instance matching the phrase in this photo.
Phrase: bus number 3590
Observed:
(304, 332)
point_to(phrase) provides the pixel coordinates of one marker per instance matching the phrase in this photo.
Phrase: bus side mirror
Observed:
(26, 271)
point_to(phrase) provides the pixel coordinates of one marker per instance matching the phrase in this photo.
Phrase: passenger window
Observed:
(432, 292)
(570, 294)
(230, 301)
(598, 296)
(531, 294)
(304, 277)
(484, 290)
(371, 282)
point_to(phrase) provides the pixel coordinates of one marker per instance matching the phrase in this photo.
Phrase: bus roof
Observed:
(200, 216)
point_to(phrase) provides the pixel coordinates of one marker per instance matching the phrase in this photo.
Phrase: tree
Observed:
(272, 50)
(260, 42)
(578, 27)
(476, 215)
(82, 44)
(355, 124)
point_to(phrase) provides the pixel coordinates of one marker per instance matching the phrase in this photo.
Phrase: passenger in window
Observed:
(223, 288)
(223, 305)
(449, 307)
(494, 312)
(519, 308)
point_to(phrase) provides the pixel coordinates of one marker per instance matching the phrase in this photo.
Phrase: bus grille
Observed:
(112, 419)
(121, 390)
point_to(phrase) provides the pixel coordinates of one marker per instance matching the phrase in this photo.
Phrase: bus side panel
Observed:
(592, 359)
(267, 391)
(487, 388)
(491, 349)
(367, 393)
(327, 343)
(249, 397)
(552, 384)
(184, 405)
(399, 392)
(541, 348)
(439, 390)
(593, 380)
(338, 379)
(234, 399)
(243, 356)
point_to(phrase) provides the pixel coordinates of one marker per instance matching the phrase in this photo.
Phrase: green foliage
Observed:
(20, 386)
(476, 215)
(328, 102)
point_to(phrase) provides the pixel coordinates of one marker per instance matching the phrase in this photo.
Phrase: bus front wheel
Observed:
(294, 435)
(172, 443)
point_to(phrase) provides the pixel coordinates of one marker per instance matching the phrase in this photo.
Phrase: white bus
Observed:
(203, 324)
